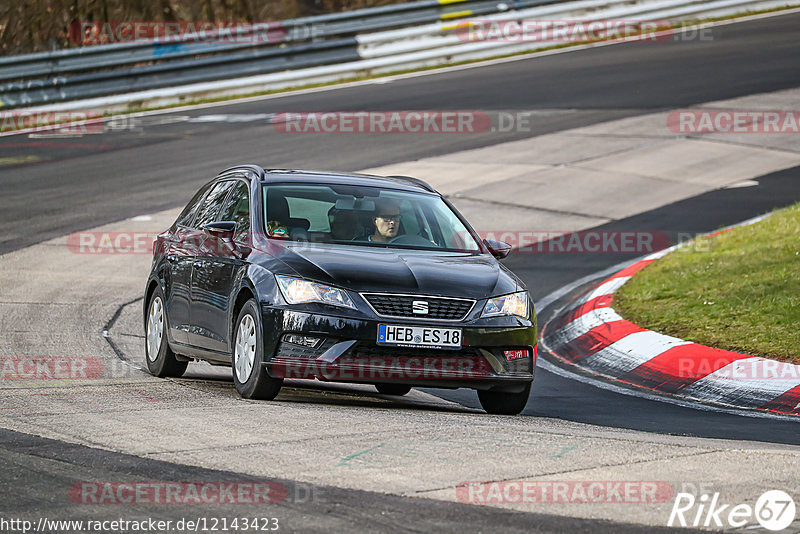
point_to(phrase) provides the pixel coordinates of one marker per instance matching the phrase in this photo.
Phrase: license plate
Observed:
(419, 336)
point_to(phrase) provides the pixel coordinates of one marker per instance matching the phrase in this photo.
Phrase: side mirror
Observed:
(223, 229)
(221, 234)
(498, 249)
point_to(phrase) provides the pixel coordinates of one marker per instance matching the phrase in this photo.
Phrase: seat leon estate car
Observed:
(289, 274)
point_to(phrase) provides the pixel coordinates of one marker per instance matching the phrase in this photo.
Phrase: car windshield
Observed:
(364, 216)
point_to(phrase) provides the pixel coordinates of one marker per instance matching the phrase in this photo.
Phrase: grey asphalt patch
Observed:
(36, 466)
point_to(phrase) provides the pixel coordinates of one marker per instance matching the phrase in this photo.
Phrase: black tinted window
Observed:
(237, 209)
(209, 208)
(186, 216)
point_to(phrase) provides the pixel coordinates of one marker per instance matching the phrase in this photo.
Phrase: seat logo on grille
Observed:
(420, 307)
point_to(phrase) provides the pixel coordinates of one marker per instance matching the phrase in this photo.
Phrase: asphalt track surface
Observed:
(83, 182)
(36, 467)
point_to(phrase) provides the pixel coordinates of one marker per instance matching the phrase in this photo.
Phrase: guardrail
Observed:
(61, 62)
(304, 50)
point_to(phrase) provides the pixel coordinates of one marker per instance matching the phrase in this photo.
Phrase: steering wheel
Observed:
(410, 239)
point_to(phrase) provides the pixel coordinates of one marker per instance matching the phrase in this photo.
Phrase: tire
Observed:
(393, 389)
(160, 359)
(247, 356)
(504, 403)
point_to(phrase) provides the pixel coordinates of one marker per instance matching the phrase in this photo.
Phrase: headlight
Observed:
(513, 304)
(297, 291)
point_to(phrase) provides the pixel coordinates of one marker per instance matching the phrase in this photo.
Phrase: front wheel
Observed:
(504, 403)
(249, 374)
(160, 359)
(393, 389)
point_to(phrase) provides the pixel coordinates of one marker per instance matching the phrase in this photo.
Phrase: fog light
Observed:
(515, 354)
(303, 341)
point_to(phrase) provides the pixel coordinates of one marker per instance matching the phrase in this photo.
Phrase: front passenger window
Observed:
(208, 210)
(186, 216)
(237, 209)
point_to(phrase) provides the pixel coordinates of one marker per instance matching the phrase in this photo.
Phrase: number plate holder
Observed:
(432, 337)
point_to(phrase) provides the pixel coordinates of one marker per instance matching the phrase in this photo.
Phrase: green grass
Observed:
(739, 290)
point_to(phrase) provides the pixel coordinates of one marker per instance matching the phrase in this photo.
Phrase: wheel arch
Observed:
(152, 284)
(244, 293)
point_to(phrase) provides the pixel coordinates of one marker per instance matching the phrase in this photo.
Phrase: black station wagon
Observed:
(338, 277)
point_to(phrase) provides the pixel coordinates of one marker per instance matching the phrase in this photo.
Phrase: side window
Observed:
(447, 222)
(314, 211)
(209, 208)
(186, 216)
(237, 209)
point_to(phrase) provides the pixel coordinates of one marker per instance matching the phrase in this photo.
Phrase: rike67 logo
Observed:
(774, 510)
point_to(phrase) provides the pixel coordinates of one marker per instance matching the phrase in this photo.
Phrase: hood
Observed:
(362, 268)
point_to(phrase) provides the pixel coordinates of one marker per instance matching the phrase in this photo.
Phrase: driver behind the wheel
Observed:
(386, 221)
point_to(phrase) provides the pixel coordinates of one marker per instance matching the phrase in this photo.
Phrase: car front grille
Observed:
(441, 308)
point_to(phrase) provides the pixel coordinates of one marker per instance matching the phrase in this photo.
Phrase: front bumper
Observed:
(346, 351)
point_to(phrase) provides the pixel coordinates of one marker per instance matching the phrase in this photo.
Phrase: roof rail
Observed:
(257, 170)
(415, 181)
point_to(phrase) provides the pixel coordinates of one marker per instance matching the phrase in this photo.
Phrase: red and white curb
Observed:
(589, 334)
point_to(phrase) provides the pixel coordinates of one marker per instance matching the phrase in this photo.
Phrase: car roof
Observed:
(406, 183)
